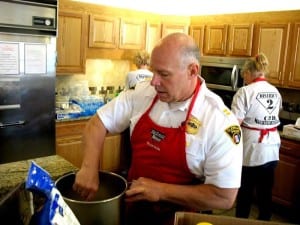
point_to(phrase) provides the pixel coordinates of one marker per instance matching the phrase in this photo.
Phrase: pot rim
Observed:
(98, 201)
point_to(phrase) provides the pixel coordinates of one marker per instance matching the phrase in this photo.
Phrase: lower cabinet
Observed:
(69, 145)
(286, 191)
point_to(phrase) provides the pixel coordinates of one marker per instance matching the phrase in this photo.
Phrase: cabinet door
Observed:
(271, 39)
(294, 74)
(215, 39)
(111, 155)
(71, 42)
(103, 32)
(240, 39)
(132, 34)
(286, 180)
(153, 35)
(70, 148)
(287, 183)
(197, 32)
(168, 28)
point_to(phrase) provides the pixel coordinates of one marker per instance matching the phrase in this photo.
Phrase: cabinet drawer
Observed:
(70, 128)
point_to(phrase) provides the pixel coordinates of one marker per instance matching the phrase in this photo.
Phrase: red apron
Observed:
(158, 153)
(263, 132)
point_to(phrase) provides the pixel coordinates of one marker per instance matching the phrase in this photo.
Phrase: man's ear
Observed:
(194, 69)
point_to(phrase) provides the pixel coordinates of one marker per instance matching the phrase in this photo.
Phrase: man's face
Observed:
(171, 79)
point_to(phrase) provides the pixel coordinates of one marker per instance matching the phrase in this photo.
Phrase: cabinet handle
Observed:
(12, 124)
(279, 75)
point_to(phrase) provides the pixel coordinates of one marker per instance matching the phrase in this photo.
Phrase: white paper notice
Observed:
(9, 58)
(35, 58)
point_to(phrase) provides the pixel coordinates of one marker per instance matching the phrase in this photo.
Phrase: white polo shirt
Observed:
(213, 149)
(136, 76)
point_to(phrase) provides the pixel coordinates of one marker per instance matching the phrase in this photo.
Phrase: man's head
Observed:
(175, 66)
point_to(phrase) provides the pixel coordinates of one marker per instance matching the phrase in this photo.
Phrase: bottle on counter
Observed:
(102, 94)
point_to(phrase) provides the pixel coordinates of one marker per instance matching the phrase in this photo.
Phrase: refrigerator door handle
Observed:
(10, 124)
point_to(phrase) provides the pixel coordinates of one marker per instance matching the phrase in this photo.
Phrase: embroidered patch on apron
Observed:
(192, 125)
(234, 133)
(157, 136)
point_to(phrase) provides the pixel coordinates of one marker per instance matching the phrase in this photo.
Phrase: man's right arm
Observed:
(87, 181)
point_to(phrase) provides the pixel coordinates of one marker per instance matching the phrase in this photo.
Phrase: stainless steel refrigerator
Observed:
(28, 32)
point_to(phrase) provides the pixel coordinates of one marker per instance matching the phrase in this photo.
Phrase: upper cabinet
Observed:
(272, 40)
(103, 31)
(197, 32)
(240, 39)
(153, 35)
(71, 42)
(114, 32)
(215, 38)
(294, 66)
(231, 40)
(168, 28)
(132, 34)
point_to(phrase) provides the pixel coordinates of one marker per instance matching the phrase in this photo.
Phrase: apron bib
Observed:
(158, 153)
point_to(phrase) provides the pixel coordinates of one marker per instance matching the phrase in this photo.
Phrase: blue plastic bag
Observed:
(54, 211)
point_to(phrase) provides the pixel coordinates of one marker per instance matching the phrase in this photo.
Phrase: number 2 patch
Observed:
(234, 133)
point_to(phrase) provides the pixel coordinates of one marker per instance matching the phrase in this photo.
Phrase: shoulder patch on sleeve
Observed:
(226, 111)
(234, 132)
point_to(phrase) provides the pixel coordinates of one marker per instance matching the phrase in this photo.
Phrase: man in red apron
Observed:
(186, 144)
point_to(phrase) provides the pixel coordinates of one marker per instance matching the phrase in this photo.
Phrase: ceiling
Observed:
(198, 7)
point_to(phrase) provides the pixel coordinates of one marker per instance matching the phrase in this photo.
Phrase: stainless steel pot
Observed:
(106, 209)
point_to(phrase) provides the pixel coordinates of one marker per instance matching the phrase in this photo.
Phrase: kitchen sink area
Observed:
(16, 203)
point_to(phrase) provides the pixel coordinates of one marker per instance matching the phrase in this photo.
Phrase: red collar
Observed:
(259, 79)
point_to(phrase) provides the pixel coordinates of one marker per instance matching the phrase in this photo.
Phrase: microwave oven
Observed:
(223, 73)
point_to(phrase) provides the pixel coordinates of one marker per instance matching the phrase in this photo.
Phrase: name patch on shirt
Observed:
(234, 133)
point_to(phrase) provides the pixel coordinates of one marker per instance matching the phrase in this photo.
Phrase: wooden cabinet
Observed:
(103, 31)
(69, 145)
(225, 39)
(215, 39)
(168, 28)
(153, 35)
(197, 32)
(132, 34)
(294, 67)
(240, 40)
(71, 42)
(272, 39)
(286, 189)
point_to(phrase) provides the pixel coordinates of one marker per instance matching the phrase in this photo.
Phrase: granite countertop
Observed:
(12, 174)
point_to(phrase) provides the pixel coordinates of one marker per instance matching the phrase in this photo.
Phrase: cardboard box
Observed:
(189, 218)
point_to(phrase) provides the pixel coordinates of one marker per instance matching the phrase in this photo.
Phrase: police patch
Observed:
(234, 133)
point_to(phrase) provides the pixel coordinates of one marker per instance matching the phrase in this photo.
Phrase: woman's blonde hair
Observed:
(141, 58)
(258, 65)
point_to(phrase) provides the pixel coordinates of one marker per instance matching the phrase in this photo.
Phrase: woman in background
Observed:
(257, 107)
(141, 60)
